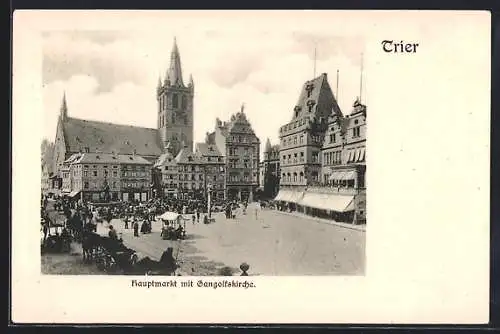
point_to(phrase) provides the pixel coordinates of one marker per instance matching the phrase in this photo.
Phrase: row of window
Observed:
(164, 122)
(208, 169)
(332, 158)
(242, 139)
(114, 185)
(295, 158)
(294, 177)
(174, 101)
(295, 124)
(247, 151)
(106, 173)
(128, 167)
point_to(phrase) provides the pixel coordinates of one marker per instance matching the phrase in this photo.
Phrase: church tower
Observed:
(175, 107)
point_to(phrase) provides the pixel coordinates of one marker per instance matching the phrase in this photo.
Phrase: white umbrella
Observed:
(169, 216)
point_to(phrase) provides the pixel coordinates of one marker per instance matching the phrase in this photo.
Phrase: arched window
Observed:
(175, 101)
(294, 177)
(184, 102)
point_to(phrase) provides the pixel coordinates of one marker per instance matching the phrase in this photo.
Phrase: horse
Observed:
(90, 242)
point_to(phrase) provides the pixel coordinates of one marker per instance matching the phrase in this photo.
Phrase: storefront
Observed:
(330, 206)
(290, 198)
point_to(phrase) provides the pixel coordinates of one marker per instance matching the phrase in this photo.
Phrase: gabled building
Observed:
(191, 175)
(98, 177)
(301, 139)
(166, 166)
(322, 157)
(214, 169)
(237, 141)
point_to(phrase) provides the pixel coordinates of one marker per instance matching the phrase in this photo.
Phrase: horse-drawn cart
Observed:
(112, 255)
(59, 242)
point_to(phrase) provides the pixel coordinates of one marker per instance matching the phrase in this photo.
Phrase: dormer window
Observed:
(309, 89)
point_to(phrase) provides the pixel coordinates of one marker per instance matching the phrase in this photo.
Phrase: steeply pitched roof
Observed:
(174, 74)
(185, 156)
(268, 145)
(106, 158)
(164, 159)
(110, 138)
(208, 150)
(317, 87)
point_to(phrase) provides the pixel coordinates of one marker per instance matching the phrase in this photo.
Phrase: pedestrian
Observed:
(112, 233)
(126, 222)
(136, 228)
(193, 217)
(197, 215)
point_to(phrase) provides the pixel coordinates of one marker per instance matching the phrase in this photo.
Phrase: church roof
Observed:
(207, 150)
(110, 138)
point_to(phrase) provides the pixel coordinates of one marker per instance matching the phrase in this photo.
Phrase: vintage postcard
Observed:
(190, 159)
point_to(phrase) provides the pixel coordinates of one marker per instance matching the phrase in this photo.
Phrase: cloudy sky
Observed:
(111, 74)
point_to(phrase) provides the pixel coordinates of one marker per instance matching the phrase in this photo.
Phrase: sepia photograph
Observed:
(158, 178)
(212, 166)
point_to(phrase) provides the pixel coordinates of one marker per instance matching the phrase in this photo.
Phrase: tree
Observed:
(270, 184)
(47, 150)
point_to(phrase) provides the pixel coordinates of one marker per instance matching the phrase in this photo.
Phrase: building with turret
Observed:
(322, 157)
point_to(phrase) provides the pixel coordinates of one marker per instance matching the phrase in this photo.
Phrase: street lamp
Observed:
(209, 208)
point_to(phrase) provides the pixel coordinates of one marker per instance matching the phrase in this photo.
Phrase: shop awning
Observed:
(330, 202)
(342, 175)
(361, 155)
(290, 196)
(74, 193)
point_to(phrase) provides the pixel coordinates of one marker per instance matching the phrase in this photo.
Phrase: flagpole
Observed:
(361, 80)
(337, 89)
(314, 75)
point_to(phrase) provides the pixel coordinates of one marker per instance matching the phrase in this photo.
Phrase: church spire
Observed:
(159, 85)
(268, 145)
(64, 107)
(174, 74)
(191, 82)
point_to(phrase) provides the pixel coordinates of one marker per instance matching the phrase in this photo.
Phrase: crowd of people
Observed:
(81, 216)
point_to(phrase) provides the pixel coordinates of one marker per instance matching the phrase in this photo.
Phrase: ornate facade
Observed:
(237, 141)
(322, 157)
